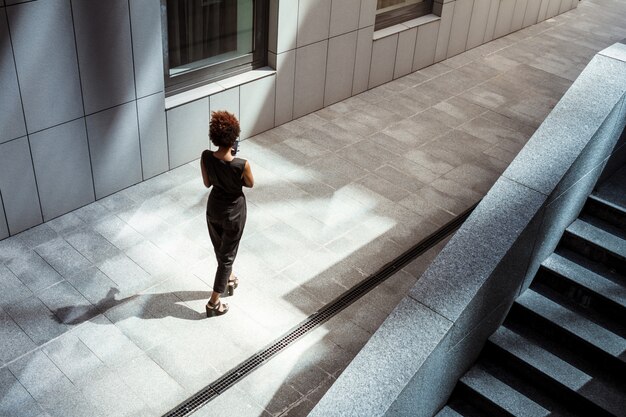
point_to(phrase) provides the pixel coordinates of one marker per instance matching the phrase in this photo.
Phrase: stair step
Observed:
(599, 237)
(606, 210)
(539, 359)
(566, 382)
(614, 188)
(574, 324)
(588, 280)
(447, 412)
(503, 397)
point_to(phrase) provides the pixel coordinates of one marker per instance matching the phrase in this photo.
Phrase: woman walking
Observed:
(226, 207)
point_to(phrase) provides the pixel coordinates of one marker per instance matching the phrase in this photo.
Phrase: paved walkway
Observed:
(102, 310)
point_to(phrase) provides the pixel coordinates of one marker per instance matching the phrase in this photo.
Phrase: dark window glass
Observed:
(392, 12)
(210, 39)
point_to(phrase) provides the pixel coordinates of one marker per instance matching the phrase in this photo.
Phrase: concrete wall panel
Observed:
(543, 10)
(287, 25)
(363, 59)
(147, 46)
(383, 60)
(553, 8)
(367, 14)
(152, 135)
(425, 45)
(405, 52)
(4, 228)
(114, 147)
(313, 21)
(518, 15)
(344, 16)
(187, 131)
(491, 20)
(18, 186)
(285, 78)
(11, 113)
(62, 168)
(257, 110)
(505, 18)
(478, 23)
(446, 11)
(532, 12)
(104, 53)
(226, 100)
(460, 26)
(340, 67)
(49, 78)
(310, 78)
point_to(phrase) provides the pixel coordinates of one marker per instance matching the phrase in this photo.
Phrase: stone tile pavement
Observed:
(102, 309)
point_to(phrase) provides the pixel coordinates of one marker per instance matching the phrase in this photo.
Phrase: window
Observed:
(208, 40)
(392, 12)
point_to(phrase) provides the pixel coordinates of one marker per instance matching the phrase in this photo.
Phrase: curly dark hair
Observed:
(223, 128)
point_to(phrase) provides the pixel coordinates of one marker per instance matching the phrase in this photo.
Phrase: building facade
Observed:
(90, 104)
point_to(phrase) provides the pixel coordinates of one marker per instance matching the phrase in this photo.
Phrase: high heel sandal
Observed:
(213, 310)
(230, 287)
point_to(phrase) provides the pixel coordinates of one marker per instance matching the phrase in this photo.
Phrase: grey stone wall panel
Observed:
(340, 67)
(187, 131)
(11, 113)
(104, 53)
(257, 109)
(114, 147)
(152, 135)
(147, 46)
(18, 187)
(460, 27)
(4, 228)
(47, 67)
(62, 168)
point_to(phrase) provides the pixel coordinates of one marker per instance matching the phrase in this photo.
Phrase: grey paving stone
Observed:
(73, 358)
(113, 397)
(184, 359)
(67, 304)
(15, 401)
(13, 341)
(62, 257)
(37, 321)
(151, 383)
(118, 232)
(129, 277)
(34, 272)
(266, 387)
(66, 223)
(230, 403)
(10, 248)
(97, 288)
(39, 375)
(107, 341)
(37, 235)
(93, 246)
(92, 213)
(11, 288)
(153, 260)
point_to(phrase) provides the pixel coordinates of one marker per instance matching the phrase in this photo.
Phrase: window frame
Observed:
(403, 14)
(198, 77)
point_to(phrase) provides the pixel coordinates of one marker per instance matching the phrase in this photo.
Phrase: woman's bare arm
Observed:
(205, 176)
(248, 179)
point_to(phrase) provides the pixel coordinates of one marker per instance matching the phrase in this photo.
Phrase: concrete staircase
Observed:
(562, 349)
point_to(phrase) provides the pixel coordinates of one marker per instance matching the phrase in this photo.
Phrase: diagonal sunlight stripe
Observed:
(230, 378)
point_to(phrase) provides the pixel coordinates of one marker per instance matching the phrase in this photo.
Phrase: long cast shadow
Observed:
(154, 306)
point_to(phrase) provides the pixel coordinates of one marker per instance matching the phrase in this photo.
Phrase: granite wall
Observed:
(83, 112)
(411, 364)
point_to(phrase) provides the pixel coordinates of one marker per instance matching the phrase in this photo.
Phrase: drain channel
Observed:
(231, 377)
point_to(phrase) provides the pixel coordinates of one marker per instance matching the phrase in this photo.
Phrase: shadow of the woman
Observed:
(153, 306)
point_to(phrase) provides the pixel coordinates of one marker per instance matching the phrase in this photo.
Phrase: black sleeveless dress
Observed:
(225, 212)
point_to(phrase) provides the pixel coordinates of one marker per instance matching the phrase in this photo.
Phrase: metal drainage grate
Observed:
(231, 377)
